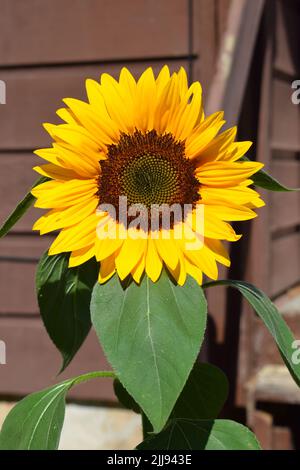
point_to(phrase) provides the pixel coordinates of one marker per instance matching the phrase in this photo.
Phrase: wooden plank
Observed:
(283, 438)
(228, 86)
(262, 423)
(33, 362)
(287, 58)
(18, 260)
(204, 43)
(285, 128)
(53, 31)
(34, 95)
(16, 178)
(257, 251)
(285, 207)
(274, 383)
(222, 7)
(285, 262)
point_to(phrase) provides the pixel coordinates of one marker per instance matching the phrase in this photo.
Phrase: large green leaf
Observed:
(193, 434)
(20, 210)
(35, 423)
(271, 317)
(151, 334)
(204, 393)
(64, 296)
(263, 180)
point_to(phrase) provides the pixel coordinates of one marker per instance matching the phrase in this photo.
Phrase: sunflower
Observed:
(149, 144)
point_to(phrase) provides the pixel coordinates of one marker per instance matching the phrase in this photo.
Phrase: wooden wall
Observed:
(47, 49)
(272, 249)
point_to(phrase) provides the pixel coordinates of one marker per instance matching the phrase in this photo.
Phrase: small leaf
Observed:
(263, 180)
(64, 296)
(193, 434)
(204, 393)
(20, 210)
(266, 181)
(35, 423)
(269, 314)
(151, 334)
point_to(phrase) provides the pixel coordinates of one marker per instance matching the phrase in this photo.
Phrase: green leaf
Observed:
(271, 317)
(193, 434)
(151, 334)
(204, 393)
(20, 210)
(266, 181)
(35, 423)
(263, 180)
(64, 296)
(124, 398)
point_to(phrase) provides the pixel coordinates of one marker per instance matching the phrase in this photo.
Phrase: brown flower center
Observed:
(149, 169)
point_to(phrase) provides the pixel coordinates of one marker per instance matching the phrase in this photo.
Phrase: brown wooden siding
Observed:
(274, 259)
(47, 50)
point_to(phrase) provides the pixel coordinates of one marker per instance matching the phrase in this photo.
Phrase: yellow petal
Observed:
(167, 251)
(204, 260)
(235, 151)
(64, 193)
(60, 218)
(219, 251)
(56, 172)
(217, 147)
(130, 254)
(107, 269)
(194, 271)
(138, 270)
(203, 135)
(79, 257)
(229, 212)
(92, 120)
(67, 116)
(153, 261)
(76, 237)
(146, 96)
(226, 174)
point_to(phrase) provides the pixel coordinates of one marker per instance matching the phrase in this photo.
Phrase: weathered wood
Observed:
(18, 260)
(53, 31)
(228, 86)
(285, 129)
(204, 33)
(285, 263)
(287, 57)
(33, 362)
(285, 207)
(263, 429)
(16, 178)
(34, 95)
(274, 383)
(282, 438)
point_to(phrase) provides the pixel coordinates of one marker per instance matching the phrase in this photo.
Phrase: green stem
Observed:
(93, 375)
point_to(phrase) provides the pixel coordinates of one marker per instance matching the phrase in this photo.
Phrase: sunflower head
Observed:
(149, 170)
(130, 171)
